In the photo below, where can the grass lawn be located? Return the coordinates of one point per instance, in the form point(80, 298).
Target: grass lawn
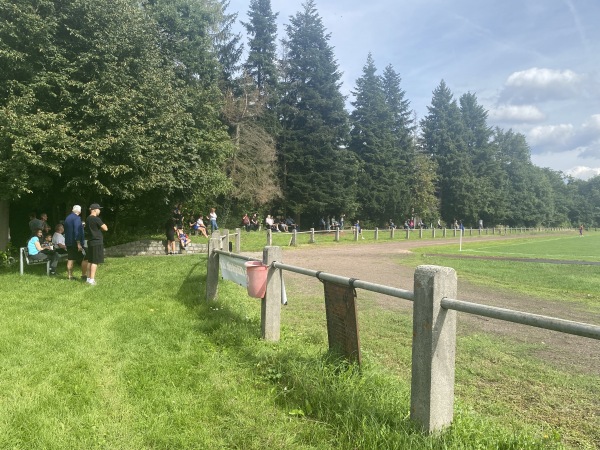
point(140, 361)
point(580, 283)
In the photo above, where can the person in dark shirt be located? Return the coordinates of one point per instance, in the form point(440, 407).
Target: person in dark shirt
point(94, 226)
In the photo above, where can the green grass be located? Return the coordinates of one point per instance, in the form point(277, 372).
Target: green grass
point(565, 282)
point(141, 361)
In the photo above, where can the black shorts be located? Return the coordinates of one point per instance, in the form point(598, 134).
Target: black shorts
point(95, 254)
point(74, 254)
point(171, 235)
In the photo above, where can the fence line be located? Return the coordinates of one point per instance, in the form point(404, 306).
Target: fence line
point(434, 324)
point(524, 318)
point(423, 233)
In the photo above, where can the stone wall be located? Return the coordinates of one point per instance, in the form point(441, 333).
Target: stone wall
point(148, 247)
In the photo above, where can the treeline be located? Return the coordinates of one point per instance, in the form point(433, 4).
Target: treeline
point(141, 105)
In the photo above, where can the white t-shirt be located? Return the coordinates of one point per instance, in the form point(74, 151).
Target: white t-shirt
point(58, 239)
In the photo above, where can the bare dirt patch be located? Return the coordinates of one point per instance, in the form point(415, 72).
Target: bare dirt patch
point(377, 263)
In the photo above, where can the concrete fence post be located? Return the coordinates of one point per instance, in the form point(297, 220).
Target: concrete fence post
point(270, 309)
point(294, 242)
point(392, 233)
point(337, 234)
point(356, 233)
point(238, 240)
point(212, 270)
point(312, 236)
point(269, 237)
point(444, 233)
point(408, 233)
point(225, 239)
point(376, 233)
point(433, 348)
point(454, 229)
point(433, 232)
point(420, 233)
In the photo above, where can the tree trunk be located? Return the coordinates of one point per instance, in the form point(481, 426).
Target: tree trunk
point(4, 230)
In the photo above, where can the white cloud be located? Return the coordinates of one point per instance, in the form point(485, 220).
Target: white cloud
point(566, 137)
point(516, 113)
point(537, 85)
point(583, 172)
point(551, 136)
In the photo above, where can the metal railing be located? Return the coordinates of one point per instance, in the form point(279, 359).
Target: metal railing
point(434, 324)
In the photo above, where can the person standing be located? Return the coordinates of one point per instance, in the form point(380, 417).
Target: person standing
point(74, 240)
point(170, 229)
point(94, 226)
point(581, 230)
point(213, 220)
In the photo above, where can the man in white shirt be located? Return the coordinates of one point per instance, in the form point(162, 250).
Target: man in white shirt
point(58, 239)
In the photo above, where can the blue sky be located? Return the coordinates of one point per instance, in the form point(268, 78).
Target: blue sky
point(533, 64)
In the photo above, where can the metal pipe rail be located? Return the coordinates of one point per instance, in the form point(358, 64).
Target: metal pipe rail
point(235, 255)
point(534, 320)
point(353, 282)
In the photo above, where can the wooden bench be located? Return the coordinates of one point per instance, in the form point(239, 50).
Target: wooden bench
point(24, 259)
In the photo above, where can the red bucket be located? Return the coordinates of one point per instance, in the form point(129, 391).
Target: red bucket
point(256, 278)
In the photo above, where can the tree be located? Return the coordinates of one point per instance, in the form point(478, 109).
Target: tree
point(443, 138)
point(317, 171)
point(108, 105)
point(262, 56)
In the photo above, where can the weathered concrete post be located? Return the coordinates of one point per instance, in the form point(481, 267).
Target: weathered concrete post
point(270, 309)
point(356, 233)
point(408, 233)
point(225, 239)
point(294, 242)
point(444, 232)
point(376, 233)
point(212, 271)
point(238, 240)
point(392, 233)
point(420, 233)
point(269, 237)
point(433, 232)
point(312, 236)
point(433, 348)
point(337, 234)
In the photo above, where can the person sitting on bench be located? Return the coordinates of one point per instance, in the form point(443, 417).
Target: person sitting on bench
point(38, 253)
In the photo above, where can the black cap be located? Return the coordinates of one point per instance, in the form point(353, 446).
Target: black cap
point(95, 206)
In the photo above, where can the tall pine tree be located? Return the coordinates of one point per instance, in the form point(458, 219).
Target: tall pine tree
point(317, 171)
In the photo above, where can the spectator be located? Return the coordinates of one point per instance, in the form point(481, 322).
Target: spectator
point(35, 223)
point(75, 242)
point(37, 252)
point(58, 239)
point(170, 232)
point(342, 217)
point(581, 230)
point(254, 222)
point(213, 220)
point(178, 216)
point(95, 254)
point(290, 223)
point(45, 227)
point(392, 225)
point(358, 229)
point(246, 222)
point(184, 239)
point(201, 226)
point(269, 222)
point(323, 224)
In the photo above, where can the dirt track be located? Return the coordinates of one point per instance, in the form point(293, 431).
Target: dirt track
point(378, 263)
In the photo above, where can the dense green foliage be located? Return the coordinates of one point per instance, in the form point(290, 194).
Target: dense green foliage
point(143, 105)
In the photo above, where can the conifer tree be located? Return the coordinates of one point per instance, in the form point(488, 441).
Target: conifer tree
point(318, 173)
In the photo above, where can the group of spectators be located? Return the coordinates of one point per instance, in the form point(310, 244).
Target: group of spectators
point(174, 228)
point(280, 224)
point(70, 237)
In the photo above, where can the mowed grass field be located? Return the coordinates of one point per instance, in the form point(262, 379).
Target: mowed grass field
point(141, 361)
point(500, 266)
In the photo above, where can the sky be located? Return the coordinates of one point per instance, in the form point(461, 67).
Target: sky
point(534, 65)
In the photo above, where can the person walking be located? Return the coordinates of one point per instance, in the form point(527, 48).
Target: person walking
point(75, 242)
point(94, 226)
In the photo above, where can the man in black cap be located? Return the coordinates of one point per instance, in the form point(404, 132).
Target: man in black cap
point(95, 243)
